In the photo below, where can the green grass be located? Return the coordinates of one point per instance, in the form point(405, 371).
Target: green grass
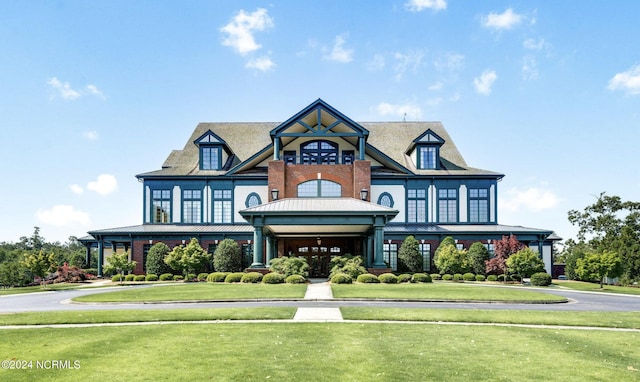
point(441, 291)
point(629, 320)
point(199, 292)
point(146, 315)
point(323, 352)
point(593, 287)
point(49, 288)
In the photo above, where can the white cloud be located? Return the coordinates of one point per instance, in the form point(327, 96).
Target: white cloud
point(406, 111)
point(484, 83)
point(411, 60)
point(419, 5)
point(532, 44)
point(376, 64)
point(62, 215)
point(104, 185)
point(628, 81)
point(239, 32)
point(64, 89)
point(263, 63)
point(506, 20)
point(531, 199)
point(529, 68)
point(76, 189)
point(449, 61)
point(90, 135)
point(339, 53)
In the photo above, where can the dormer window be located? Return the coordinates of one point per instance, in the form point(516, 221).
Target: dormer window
point(428, 151)
point(211, 147)
point(427, 157)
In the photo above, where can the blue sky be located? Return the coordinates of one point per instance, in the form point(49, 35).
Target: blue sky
point(94, 92)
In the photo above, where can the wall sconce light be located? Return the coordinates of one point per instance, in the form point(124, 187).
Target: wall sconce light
point(183, 241)
point(456, 240)
point(216, 241)
point(422, 241)
point(389, 241)
point(489, 241)
point(150, 241)
point(319, 241)
point(274, 194)
point(364, 194)
point(249, 241)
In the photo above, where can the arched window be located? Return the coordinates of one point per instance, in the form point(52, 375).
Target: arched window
point(385, 200)
point(319, 152)
point(252, 200)
point(319, 189)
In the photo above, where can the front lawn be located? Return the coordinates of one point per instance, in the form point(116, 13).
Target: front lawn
point(199, 292)
point(594, 287)
point(320, 352)
point(442, 291)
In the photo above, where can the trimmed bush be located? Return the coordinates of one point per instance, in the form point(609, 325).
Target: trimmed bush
point(273, 278)
point(388, 278)
point(368, 278)
point(140, 278)
point(404, 278)
point(492, 278)
point(227, 257)
point(479, 277)
point(191, 277)
point(447, 277)
point(341, 278)
point(251, 278)
point(178, 277)
point(217, 277)
point(155, 259)
point(117, 278)
point(541, 279)
point(151, 277)
point(166, 277)
point(469, 276)
point(457, 277)
point(421, 278)
point(501, 278)
point(234, 277)
point(436, 276)
point(130, 277)
point(203, 276)
point(351, 265)
point(295, 279)
point(289, 266)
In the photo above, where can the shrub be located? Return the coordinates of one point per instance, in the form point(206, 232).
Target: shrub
point(166, 277)
point(130, 277)
point(140, 278)
point(234, 277)
point(436, 276)
point(421, 278)
point(117, 278)
point(501, 278)
point(404, 278)
point(447, 277)
point(341, 278)
point(91, 271)
point(541, 279)
point(178, 277)
point(457, 277)
point(217, 277)
point(388, 278)
point(492, 278)
point(295, 279)
point(468, 276)
point(251, 278)
point(409, 256)
point(227, 257)
point(273, 278)
point(151, 277)
point(479, 277)
point(203, 276)
point(367, 278)
point(351, 265)
point(288, 266)
point(155, 259)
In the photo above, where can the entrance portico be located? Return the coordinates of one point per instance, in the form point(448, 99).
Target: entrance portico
point(318, 228)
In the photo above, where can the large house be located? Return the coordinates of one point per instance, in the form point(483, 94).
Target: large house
point(318, 185)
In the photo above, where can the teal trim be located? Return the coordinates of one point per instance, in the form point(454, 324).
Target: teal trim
point(252, 195)
point(386, 195)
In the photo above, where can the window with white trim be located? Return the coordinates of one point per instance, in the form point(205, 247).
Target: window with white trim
point(161, 206)
point(319, 189)
point(448, 205)
point(192, 206)
point(222, 206)
point(416, 205)
point(478, 205)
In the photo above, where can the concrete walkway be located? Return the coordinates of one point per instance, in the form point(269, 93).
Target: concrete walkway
point(318, 290)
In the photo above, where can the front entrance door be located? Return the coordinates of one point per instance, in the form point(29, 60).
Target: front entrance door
point(319, 252)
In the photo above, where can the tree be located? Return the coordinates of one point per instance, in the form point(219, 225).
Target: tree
point(409, 255)
point(571, 253)
point(598, 265)
point(614, 225)
point(445, 242)
point(119, 263)
point(33, 243)
point(13, 273)
point(504, 248)
point(155, 259)
point(189, 259)
point(451, 260)
point(227, 257)
point(478, 257)
point(525, 262)
point(40, 264)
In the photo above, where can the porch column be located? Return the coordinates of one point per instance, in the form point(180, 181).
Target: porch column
point(257, 248)
point(378, 258)
point(100, 256)
point(88, 255)
point(270, 243)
